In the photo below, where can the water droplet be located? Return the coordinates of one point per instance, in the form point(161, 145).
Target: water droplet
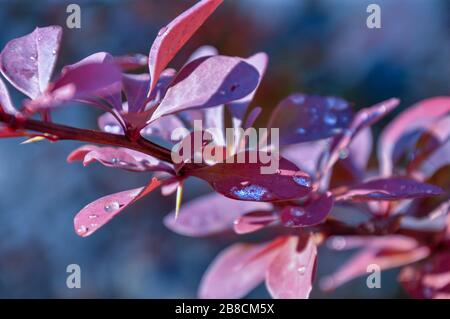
point(115, 161)
point(111, 207)
point(343, 154)
point(338, 243)
point(301, 130)
point(162, 31)
point(298, 99)
point(303, 181)
point(82, 229)
point(301, 270)
point(222, 92)
point(297, 212)
point(93, 225)
point(113, 129)
point(54, 52)
point(330, 119)
point(93, 216)
point(251, 192)
point(245, 183)
point(336, 104)
point(32, 58)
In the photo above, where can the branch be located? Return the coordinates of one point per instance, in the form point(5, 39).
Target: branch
point(62, 132)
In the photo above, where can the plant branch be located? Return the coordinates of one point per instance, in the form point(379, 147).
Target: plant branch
point(62, 132)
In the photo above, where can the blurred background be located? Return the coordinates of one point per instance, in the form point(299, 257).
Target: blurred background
point(315, 46)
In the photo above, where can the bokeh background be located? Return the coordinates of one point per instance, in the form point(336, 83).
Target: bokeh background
point(315, 46)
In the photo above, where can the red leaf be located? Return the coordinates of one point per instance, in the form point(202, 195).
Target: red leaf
point(101, 211)
point(312, 213)
point(244, 181)
point(292, 271)
point(172, 37)
point(393, 188)
point(27, 62)
point(238, 269)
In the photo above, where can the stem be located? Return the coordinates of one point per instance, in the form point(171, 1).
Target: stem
point(62, 132)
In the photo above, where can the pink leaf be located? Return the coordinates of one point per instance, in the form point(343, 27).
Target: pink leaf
point(393, 188)
point(303, 118)
point(27, 62)
point(118, 158)
point(292, 271)
point(208, 215)
point(238, 269)
point(131, 62)
point(206, 82)
point(6, 104)
point(172, 37)
point(239, 107)
point(390, 252)
point(253, 221)
point(101, 211)
point(305, 155)
point(416, 118)
point(243, 180)
point(312, 213)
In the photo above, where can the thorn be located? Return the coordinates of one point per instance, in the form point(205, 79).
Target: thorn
point(178, 201)
point(33, 140)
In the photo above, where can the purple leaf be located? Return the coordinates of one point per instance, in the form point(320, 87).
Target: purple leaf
point(385, 189)
point(101, 211)
point(303, 118)
point(206, 82)
point(135, 87)
point(27, 62)
point(118, 158)
point(292, 271)
point(253, 221)
point(208, 215)
point(5, 100)
point(238, 269)
point(416, 118)
point(172, 37)
point(430, 279)
point(239, 107)
point(363, 119)
point(312, 213)
point(242, 179)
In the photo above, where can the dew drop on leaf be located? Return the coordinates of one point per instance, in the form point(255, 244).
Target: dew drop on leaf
point(111, 207)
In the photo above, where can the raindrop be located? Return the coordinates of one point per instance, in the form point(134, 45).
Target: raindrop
point(301, 130)
point(301, 270)
point(330, 119)
point(297, 212)
point(251, 192)
point(93, 225)
point(115, 160)
point(93, 216)
point(54, 52)
point(32, 58)
point(82, 229)
point(303, 181)
point(162, 31)
point(338, 243)
point(111, 207)
point(343, 154)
